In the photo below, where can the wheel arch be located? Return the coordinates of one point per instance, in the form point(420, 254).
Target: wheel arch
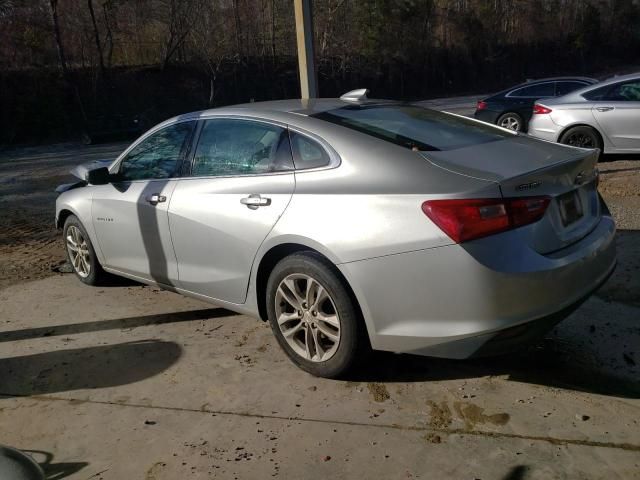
point(63, 215)
point(566, 128)
point(276, 253)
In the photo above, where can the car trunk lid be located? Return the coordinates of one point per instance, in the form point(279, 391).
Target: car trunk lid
point(525, 167)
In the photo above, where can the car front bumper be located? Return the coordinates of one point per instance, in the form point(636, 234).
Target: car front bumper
point(459, 301)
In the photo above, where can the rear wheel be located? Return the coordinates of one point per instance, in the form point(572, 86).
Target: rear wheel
point(81, 254)
point(511, 121)
point(313, 316)
point(583, 137)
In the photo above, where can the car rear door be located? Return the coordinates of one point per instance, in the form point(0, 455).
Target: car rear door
point(130, 214)
point(618, 115)
point(241, 180)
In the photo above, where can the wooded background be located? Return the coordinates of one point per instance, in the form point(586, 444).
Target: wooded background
point(69, 67)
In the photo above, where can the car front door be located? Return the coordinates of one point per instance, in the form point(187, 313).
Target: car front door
point(240, 183)
point(130, 214)
point(618, 114)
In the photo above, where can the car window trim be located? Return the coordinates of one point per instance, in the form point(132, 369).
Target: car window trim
point(184, 151)
point(509, 94)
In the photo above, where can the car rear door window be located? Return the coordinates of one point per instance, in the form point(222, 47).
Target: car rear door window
point(624, 92)
point(535, 91)
point(562, 88)
point(628, 91)
point(308, 153)
point(158, 155)
point(229, 147)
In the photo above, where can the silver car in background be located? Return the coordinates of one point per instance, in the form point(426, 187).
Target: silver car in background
point(605, 116)
point(350, 224)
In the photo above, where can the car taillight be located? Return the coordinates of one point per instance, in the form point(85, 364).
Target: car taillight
point(465, 220)
point(481, 105)
point(541, 109)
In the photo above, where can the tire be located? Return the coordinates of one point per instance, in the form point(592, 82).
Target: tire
point(324, 357)
point(511, 121)
point(87, 268)
point(582, 136)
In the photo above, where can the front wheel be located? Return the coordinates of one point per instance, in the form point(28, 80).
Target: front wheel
point(314, 317)
point(80, 253)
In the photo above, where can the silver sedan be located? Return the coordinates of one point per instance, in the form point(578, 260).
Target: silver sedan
point(350, 224)
point(605, 116)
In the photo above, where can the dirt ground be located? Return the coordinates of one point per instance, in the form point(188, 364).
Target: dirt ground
point(132, 382)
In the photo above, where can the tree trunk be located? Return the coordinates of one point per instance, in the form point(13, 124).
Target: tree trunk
point(96, 35)
point(66, 72)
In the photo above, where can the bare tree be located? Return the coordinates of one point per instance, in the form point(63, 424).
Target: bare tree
point(96, 35)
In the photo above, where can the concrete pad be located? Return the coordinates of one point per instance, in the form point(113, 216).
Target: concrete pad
point(84, 368)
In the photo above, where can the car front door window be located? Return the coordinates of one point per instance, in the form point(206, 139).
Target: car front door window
point(158, 156)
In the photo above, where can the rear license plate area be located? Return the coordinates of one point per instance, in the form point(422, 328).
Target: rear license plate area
point(570, 208)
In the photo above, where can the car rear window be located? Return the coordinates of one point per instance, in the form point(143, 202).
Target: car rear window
point(413, 127)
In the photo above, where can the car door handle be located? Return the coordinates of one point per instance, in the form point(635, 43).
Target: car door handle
point(254, 201)
point(156, 198)
point(604, 109)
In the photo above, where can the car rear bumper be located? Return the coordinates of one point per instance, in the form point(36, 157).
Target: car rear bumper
point(460, 301)
point(542, 126)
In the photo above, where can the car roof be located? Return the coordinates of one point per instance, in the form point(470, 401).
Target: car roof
point(538, 81)
point(302, 106)
point(619, 78)
point(576, 96)
point(295, 112)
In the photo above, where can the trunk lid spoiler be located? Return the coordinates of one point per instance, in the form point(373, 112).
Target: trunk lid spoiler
point(524, 167)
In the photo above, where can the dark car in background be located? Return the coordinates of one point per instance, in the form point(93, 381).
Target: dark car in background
point(512, 108)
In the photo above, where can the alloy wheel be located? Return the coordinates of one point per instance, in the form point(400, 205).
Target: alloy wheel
point(510, 123)
point(581, 140)
point(307, 317)
point(78, 251)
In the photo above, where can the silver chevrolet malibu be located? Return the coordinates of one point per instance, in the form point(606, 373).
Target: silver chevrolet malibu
point(350, 224)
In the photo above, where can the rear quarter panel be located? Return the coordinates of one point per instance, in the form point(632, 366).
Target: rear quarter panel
point(370, 205)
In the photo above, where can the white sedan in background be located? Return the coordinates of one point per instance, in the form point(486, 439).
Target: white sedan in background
point(605, 115)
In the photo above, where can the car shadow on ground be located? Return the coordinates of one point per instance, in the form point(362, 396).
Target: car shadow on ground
point(86, 368)
point(595, 352)
point(612, 157)
point(55, 470)
point(545, 364)
point(115, 324)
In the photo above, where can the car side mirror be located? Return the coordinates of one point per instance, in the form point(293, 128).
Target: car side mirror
point(99, 176)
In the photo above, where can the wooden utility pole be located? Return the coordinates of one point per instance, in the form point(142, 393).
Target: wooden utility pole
point(306, 56)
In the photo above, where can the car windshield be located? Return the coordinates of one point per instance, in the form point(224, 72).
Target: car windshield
point(414, 127)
